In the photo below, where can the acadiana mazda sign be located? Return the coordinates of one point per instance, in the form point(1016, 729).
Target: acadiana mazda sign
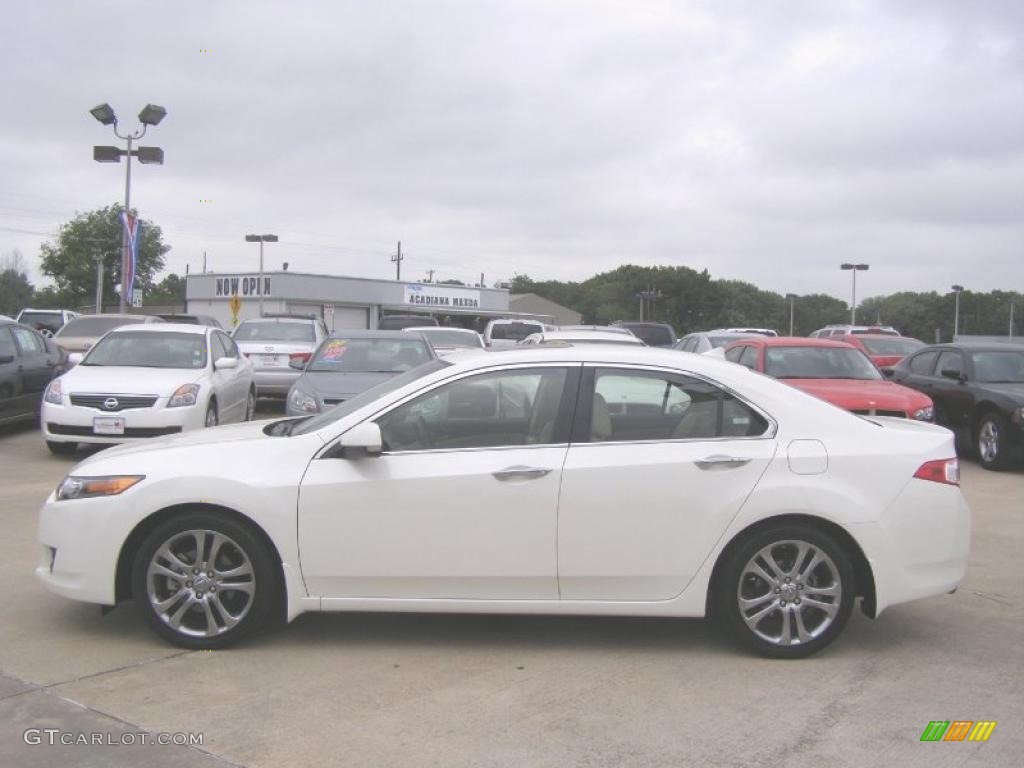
point(442, 296)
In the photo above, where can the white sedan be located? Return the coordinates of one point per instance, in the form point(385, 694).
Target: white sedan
point(141, 381)
point(572, 480)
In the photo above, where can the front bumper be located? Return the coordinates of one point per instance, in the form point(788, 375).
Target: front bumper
point(68, 423)
point(80, 542)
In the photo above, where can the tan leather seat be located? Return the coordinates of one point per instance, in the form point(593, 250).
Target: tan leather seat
point(600, 420)
point(699, 421)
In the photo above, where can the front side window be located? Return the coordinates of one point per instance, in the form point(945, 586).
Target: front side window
point(952, 362)
point(733, 355)
point(142, 349)
point(508, 408)
point(637, 405)
point(999, 367)
point(924, 363)
point(749, 357)
point(220, 346)
point(28, 341)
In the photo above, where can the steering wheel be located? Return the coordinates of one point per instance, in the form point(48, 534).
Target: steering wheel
point(44, 331)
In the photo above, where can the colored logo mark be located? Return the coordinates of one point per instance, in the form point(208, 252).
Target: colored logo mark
point(958, 730)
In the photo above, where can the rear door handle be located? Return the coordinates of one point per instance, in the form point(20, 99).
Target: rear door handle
point(721, 462)
point(520, 473)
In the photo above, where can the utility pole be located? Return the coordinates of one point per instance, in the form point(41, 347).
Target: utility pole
point(481, 279)
point(430, 275)
point(397, 258)
point(204, 262)
point(99, 282)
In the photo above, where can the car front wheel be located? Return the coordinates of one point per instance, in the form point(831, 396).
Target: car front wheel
point(990, 440)
point(787, 591)
point(203, 581)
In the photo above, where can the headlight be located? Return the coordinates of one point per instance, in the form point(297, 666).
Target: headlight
point(53, 392)
point(85, 487)
point(300, 401)
point(186, 394)
point(925, 414)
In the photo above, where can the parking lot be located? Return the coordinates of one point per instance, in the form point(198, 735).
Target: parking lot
point(409, 690)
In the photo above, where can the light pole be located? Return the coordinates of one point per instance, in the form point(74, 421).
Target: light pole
point(792, 299)
point(855, 268)
point(261, 239)
point(957, 290)
point(151, 114)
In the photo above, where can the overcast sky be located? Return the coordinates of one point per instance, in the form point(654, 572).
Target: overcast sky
point(764, 141)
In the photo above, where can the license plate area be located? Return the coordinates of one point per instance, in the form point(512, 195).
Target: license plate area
point(108, 425)
point(272, 361)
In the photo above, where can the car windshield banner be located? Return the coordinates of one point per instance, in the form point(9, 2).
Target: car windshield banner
point(132, 228)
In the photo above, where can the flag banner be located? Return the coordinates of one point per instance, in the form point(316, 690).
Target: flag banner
point(132, 228)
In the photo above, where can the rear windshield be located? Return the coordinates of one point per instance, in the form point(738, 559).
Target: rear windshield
point(95, 326)
point(897, 345)
point(445, 338)
point(514, 331)
point(269, 330)
point(47, 318)
point(398, 322)
point(652, 335)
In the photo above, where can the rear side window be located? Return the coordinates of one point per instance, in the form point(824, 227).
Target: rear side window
point(924, 363)
point(641, 406)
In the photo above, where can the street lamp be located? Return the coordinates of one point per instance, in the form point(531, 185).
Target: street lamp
point(151, 114)
point(957, 290)
point(792, 299)
point(261, 239)
point(855, 268)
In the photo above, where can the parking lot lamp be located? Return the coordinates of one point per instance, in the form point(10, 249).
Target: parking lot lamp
point(855, 268)
point(151, 114)
point(957, 290)
point(792, 299)
point(261, 239)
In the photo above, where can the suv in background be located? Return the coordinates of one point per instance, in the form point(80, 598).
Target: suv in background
point(651, 334)
point(504, 332)
point(843, 330)
point(79, 334)
point(191, 320)
point(279, 347)
point(46, 321)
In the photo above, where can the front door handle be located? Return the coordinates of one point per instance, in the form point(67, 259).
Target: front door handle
point(520, 473)
point(721, 462)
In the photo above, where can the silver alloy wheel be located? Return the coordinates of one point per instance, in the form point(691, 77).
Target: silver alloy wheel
point(789, 592)
point(211, 415)
point(988, 441)
point(200, 583)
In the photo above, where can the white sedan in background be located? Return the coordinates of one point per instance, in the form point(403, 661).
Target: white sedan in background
point(572, 480)
point(141, 381)
point(562, 337)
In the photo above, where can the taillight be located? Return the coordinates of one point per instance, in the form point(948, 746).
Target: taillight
point(303, 356)
point(940, 471)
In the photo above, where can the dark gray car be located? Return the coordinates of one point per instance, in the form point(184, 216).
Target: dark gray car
point(348, 362)
point(28, 362)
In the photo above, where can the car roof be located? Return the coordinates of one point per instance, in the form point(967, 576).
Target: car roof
point(357, 333)
point(164, 328)
point(280, 319)
point(584, 334)
point(438, 328)
point(796, 341)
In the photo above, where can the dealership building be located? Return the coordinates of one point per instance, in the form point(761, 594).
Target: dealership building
point(342, 302)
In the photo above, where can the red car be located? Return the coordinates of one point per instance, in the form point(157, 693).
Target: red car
point(833, 371)
point(884, 351)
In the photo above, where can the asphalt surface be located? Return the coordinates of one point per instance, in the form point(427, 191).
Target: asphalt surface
point(411, 690)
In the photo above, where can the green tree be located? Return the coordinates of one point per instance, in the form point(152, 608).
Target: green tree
point(16, 291)
point(170, 290)
point(71, 261)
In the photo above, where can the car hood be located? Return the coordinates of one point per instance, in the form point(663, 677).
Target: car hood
point(120, 380)
point(863, 395)
point(337, 384)
point(230, 433)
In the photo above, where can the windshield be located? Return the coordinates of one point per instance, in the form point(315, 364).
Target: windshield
point(717, 342)
point(149, 349)
point(95, 326)
point(895, 346)
point(818, 363)
point(442, 337)
point(369, 355)
point(999, 367)
point(367, 396)
point(268, 330)
point(653, 335)
point(48, 318)
point(514, 331)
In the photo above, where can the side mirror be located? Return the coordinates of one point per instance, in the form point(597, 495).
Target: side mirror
point(887, 372)
point(363, 438)
point(6, 359)
point(225, 362)
point(953, 373)
point(75, 358)
point(297, 363)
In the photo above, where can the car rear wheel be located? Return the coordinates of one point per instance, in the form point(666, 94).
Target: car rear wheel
point(250, 405)
point(787, 591)
point(203, 581)
point(61, 449)
point(990, 441)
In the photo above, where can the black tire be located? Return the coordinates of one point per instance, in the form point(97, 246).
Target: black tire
point(250, 405)
point(211, 414)
point(990, 441)
point(791, 593)
point(61, 449)
point(235, 613)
